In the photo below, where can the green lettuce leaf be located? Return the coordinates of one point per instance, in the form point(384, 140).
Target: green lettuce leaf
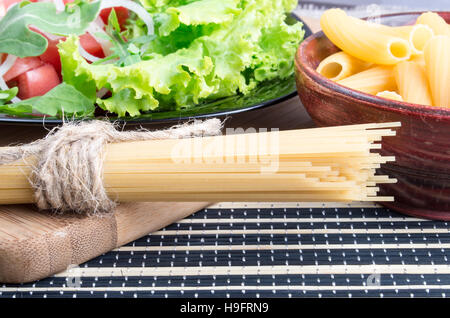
point(71, 59)
point(63, 100)
point(197, 13)
point(172, 75)
point(246, 42)
point(161, 5)
point(124, 101)
point(8, 94)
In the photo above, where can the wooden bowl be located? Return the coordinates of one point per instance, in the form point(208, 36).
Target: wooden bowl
point(422, 144)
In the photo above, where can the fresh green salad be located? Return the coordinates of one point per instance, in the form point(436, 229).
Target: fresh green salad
point(82, 58)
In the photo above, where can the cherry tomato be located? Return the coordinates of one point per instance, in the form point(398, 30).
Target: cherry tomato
point(38, 81)
point(22, 65)
point(51, 55)
point(91, 46)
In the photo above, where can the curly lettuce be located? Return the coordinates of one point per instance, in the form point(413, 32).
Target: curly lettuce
point(204, 49)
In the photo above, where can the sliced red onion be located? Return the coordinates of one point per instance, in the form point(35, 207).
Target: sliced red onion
point(89, 57)
point(7, 64)
point(4, 68)
point(97, 27)
point(5, 87)
point(132, 6)
point(59, 4)
point(94, 27)
point(50, 36)
point(99, 22)
point(15, 99)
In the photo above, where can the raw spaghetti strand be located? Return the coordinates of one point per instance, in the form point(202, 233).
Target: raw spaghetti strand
point(319, 164)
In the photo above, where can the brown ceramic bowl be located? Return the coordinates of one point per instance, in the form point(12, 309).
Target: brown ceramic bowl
point(422, 144)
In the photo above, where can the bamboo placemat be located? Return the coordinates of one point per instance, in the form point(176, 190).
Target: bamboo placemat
point(269, 250)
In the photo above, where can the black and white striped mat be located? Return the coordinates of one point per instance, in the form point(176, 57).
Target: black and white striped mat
point(269, 250)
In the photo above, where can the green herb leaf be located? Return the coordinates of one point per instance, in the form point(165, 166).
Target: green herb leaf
point(113, 22)
point(125, 52)
point(7, 95)
point(17, 39)
point(121, 48)
point(64, 99)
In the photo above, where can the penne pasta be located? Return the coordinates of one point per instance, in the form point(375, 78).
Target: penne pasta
point(341, 65)
point(437, 62)
point(416, 72)
point(435, 22)
point(364, 40)
point(390, 95)
point(372, 80)
point(417, 35)
point(412, 83)
point(419, 59)
point(402, 31)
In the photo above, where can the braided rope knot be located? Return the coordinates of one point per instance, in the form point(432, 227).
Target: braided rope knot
point(68, 171)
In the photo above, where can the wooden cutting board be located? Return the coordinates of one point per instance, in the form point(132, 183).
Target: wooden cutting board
point(35, 244)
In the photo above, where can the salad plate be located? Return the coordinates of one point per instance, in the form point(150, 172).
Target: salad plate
point(266, 93)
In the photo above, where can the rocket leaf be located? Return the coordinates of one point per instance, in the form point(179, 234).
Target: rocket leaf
point(63, 99)
point(16, 38)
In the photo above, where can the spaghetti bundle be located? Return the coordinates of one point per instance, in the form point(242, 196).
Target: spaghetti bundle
point(318, 164)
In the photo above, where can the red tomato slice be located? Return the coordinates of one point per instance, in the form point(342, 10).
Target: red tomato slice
point(121, 12)
point(37, 82)
point(91, 46)
point(51, 55)
point(22, 65)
